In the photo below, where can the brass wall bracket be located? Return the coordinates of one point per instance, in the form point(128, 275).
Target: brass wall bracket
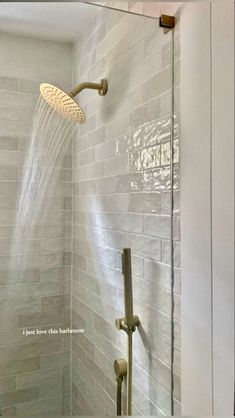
point(120, 324)
point(167, 22)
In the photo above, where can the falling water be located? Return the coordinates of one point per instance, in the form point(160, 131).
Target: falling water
point(50, 136)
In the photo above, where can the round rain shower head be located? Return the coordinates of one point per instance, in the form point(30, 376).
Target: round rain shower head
point(62, 103)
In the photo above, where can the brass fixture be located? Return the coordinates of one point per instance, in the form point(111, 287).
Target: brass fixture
point(121, 324)
point(102, 88)
point(63, 102)
point(120, 368)
point(167, 22)
point(127, 324)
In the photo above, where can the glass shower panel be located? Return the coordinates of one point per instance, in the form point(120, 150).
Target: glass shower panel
point(123, 197)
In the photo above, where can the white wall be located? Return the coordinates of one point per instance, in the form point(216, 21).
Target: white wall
point(207, 196)
point(223, 203)
point(195, 204)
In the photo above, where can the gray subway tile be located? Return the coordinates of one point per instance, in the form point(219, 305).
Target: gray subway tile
point(19, 366)
point(145, 202)
point(7, 384)
point(8, 83)
point(8, 143)
point(49, 406)
point(146, 247)
point(19, 396)
point(158, 226)
point(158, 84)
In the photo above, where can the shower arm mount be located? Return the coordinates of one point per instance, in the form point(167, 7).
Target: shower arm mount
point(102, 88)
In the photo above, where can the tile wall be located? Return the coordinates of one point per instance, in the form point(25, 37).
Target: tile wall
point(34, 371)
point(121, 198)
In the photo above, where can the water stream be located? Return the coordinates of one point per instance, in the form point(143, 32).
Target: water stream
point(49, 140)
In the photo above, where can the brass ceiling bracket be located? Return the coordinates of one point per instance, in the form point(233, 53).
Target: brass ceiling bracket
point(167, 22)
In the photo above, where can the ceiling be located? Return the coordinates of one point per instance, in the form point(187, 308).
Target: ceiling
point(61, 21)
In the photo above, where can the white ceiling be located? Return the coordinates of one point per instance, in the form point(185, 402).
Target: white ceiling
point(62, 21)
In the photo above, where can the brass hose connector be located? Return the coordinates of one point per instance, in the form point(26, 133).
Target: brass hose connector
point(120, 368)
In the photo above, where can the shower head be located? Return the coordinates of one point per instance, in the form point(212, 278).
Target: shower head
point(63, 102)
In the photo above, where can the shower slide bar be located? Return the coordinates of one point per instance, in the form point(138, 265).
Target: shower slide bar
point(123, 368)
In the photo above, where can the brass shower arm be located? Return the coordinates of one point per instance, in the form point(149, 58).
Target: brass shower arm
point(102, 88)
point(83, 86)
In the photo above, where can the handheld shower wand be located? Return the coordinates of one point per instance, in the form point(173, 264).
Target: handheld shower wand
point(128, 298)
